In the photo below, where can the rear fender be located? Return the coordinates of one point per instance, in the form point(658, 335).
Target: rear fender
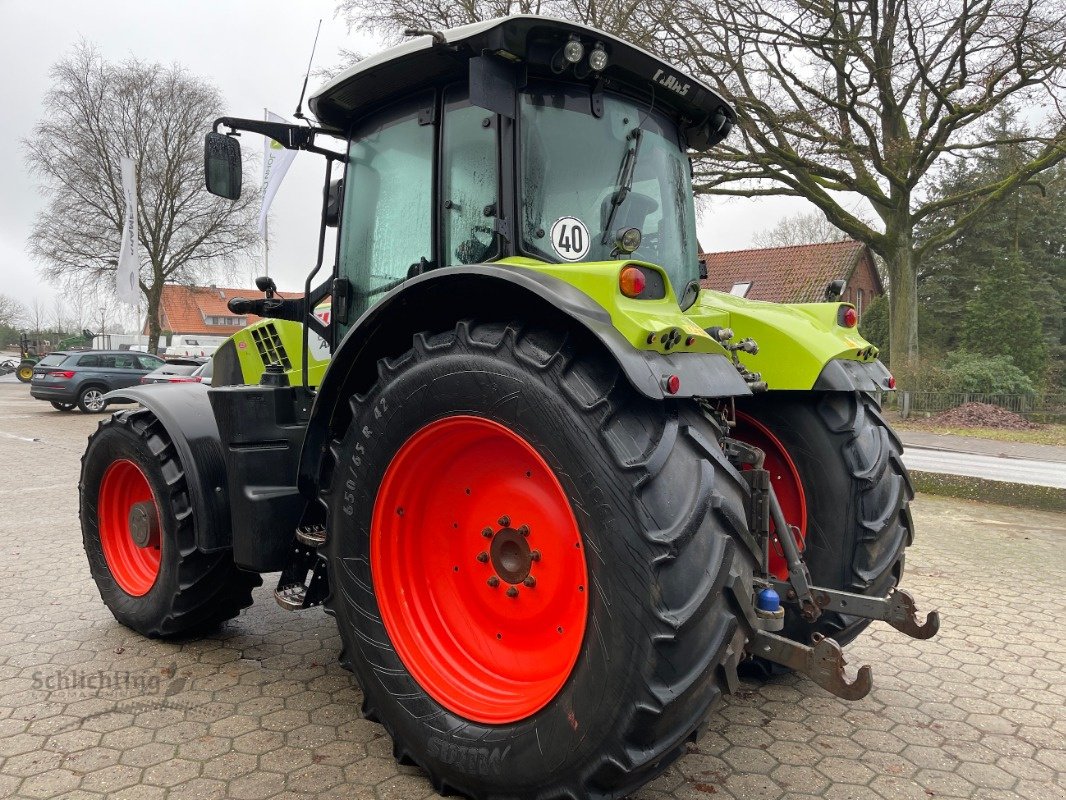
point(801, 345)
point(185, 413)
point(436, 300)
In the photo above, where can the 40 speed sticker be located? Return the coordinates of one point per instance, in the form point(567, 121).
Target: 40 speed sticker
point(570, 238)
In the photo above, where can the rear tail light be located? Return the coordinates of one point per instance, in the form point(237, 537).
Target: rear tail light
point(185, 379)
point(642, 283)
point(847, 317)
point(631, 282)
point(66, 374)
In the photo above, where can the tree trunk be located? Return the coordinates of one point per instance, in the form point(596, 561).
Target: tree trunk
point(155, 294)
point(902, 266)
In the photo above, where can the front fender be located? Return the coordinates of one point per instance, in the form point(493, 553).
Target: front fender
point(438, 299)
point(184, 411)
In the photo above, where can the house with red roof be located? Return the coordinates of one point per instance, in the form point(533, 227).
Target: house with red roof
point(202, 311)
point(796, 274)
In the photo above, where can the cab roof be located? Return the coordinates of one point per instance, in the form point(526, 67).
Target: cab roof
point(530, 41)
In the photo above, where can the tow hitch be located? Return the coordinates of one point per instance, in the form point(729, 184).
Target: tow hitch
point(823, 660)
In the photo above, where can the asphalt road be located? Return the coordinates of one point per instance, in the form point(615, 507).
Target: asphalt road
point(996, 468)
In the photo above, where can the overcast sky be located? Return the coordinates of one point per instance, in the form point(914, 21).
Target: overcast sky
point(256, 53)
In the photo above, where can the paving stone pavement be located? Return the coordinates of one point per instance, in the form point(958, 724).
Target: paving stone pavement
point(261, 708)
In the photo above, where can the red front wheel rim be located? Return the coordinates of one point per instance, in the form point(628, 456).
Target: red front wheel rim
point(786, 481)
point(125, 506)
point(479, 569)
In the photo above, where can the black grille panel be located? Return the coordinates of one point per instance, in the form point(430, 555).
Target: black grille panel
point(269, 345)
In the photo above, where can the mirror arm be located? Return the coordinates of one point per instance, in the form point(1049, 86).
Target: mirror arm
point(291, 137)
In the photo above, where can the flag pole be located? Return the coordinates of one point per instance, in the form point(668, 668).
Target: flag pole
point(266, 222)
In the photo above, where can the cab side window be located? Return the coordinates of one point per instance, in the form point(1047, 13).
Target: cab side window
point(468, 181)
point(388, 200)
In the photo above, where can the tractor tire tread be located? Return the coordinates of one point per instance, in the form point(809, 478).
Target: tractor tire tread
point(695, 641)
point(210, 588)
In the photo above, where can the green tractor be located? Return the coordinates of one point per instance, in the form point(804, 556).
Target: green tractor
point(31, 351)
point(555, 494)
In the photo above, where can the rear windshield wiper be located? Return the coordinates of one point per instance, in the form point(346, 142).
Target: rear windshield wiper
point(626, 171)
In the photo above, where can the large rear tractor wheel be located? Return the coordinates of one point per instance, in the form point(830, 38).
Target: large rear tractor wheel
point(25, 371)
point(529, 565)
point(837, 469)
point(137, 528)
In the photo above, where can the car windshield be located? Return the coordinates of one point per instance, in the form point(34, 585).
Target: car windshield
point(53, 360)
point(572, 164)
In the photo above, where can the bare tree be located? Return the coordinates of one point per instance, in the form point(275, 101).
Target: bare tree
point(867, 101)
point(37, 317)
point(12, 312)
point(59, 319)
point(847, 103)
point(639, 21)
point(97, 111)
point(799, 229)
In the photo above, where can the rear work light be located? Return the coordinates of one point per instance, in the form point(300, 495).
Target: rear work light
point(847, 317)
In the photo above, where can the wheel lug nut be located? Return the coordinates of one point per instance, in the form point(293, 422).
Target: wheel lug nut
point(482, 556)
point(505, 521)
point(530, 581)
point(524, 530)
point(512, 592)
point(535, 555)
point(487, 533)
point(494, 581)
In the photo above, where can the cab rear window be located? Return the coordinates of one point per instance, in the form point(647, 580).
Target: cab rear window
point(53, 360)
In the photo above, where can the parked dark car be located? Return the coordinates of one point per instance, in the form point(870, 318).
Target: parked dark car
point(176, 370)
point(69, 379)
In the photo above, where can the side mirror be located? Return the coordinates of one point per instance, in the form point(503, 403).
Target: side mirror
point(222, 165)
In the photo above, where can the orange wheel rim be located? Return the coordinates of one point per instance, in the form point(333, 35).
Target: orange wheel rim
point(128, 517)
point(479, 569)
point(785, 479)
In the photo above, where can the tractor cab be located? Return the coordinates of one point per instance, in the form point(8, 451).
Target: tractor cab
point(524, 139)
point(518, 138)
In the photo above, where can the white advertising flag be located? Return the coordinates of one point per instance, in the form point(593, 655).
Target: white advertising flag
point(276, 161)
point(127, 275)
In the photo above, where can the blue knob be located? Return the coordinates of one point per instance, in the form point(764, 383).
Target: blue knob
point(768, 600)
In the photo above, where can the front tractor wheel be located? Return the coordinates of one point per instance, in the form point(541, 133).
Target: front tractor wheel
point(837, 469)
point(25, 371)
point(529, 565)
point(138, 533)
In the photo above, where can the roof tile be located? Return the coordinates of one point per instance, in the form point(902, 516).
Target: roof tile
point(795, 274)
point(185, 309)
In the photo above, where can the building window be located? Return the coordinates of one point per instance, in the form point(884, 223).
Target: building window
point(741, 289)
point(858, 302)
point(232, 322)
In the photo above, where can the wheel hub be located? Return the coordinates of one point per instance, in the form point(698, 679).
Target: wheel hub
point(511, 555)
point(144, 524)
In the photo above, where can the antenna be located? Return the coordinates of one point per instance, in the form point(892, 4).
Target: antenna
point(299, 106)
